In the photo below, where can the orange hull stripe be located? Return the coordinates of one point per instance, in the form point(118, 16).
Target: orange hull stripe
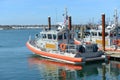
point(53, 55)
point(77, 42)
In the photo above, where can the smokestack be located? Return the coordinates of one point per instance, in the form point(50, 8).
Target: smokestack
point(49, 23)
point(103, 31)
point(69, 23)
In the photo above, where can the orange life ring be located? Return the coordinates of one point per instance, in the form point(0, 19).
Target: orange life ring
point(63, 46)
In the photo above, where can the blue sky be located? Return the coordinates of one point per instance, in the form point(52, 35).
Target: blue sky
point(37, 11)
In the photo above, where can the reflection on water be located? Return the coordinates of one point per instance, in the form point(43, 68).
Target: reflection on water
point(113, 70)
point(50, 70)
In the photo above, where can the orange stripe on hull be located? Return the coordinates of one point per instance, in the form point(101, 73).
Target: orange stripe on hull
point(77, 42)
point(58, 56)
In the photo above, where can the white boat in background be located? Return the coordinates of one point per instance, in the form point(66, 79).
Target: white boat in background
point(112, 36)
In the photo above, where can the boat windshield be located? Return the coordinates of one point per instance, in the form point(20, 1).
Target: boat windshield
point(95, 33)
point(48, 36)
point(60, 37)
point(100, 33)
point(87, 33)
point(54, 36)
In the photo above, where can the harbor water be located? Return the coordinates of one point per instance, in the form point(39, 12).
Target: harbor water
point(18, 63)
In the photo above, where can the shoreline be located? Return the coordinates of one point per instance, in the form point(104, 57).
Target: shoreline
point(75, 26)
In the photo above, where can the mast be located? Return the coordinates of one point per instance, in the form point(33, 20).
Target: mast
point(65, 17)
point(116, 18)
point(116, 24)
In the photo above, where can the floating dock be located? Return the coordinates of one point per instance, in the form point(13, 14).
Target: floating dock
point(113, 55)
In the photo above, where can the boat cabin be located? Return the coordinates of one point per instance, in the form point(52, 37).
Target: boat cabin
point(95, 36)
point(52, 39)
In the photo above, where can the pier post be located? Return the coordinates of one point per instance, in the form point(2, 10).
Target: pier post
point(49, 23)
point(69, 23)
point(103, 71)
point(103, 31)
point(69, 29)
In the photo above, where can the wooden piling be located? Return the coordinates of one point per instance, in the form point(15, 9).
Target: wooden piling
point(69, 23)
point(103, 31)
point(103, 71)
point(49, 23)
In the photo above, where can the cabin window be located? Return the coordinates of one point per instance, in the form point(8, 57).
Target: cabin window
point(106, 34)
point(54, 36)
point(100, 34)
point(65, 36)
point(44, 35)
point(59, 37)
point(37, 36)
point(49, 36)
point(87, 33)
point(94, 33)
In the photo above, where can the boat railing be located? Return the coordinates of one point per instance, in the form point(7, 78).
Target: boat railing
point(33, 42)
point(71, 48)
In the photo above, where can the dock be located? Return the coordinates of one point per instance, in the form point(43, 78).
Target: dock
point(113, 55)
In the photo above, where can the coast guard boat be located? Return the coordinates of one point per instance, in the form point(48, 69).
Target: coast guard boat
point(59, 45)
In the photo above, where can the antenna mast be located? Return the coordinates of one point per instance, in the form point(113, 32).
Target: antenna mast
point(66, 17)
point(116, 18)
